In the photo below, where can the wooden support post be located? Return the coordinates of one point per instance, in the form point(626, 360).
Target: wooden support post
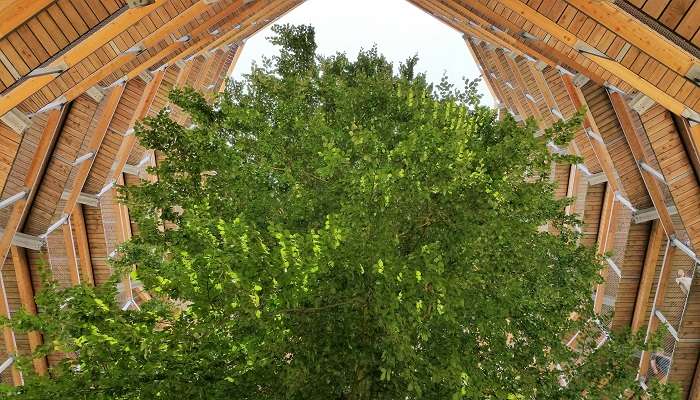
point(26, 296)
point(81, 240)
point(606, 238)
point(656, 239)
point(8, 334)
point(72, 261)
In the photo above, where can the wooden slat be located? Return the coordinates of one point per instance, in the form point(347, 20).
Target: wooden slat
point(14, 13)
point(632, 78)
point(14, 96)
point(110, 105)
point(141, 111)
point(33, 178)
point(238, 51)
point(632, 135)
point(638, 34)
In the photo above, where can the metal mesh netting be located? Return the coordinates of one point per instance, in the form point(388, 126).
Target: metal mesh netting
point(58, 257)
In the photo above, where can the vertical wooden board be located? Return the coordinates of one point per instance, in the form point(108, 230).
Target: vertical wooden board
point(631, 272)
point(690, 23)
point(591, 214)
point(98, 252)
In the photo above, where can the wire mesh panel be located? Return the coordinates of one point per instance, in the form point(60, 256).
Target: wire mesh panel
point(110, 221)
point(58, 258)
point(677, 288)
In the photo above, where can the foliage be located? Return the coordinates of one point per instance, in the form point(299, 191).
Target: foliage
point(332, 230)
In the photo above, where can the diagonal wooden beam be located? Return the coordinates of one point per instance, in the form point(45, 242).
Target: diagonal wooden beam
point(13, 96)
point(14, 13)
point(8, 334)
point(238, 51)
point(632, 134)
point(656, 240)
point(111, 101)
point(633, 79)
point(659, 298)
point(141, 110)
point(487, 78)
point(200, 45)
point(599, 149)
point(26, 296)
point(41, 157)
point(641, 36)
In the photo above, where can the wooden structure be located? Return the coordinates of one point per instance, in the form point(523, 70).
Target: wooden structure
point(75, 75)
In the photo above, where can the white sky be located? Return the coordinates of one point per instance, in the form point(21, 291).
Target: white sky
point(397, 27)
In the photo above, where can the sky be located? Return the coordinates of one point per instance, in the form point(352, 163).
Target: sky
point(397, 27)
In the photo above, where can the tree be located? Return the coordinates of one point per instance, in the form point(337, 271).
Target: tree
point(329, 229)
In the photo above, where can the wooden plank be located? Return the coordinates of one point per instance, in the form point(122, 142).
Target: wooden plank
point(32, 180)
point(81, 241)
point(599, 149)
point(141, 110)
point(238, 51)
point(606, 240)
point(656, 240)
point(632, 134)
point(14, 13)
point(150, 41)
point(13, 97)
point(633, 79)
point(110, 105)
point(72, 262)
point(26, 295)
point(638, 34)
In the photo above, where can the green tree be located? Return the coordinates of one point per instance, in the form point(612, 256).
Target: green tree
point(331, 229)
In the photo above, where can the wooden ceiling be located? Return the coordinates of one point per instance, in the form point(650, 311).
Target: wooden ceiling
point(75, 75)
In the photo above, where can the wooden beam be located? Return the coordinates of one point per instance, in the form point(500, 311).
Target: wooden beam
point(632, 134)
point(605, 241)
point(109, 106)
point(8, 333)
point(641, 36)
point(238, 51)
point(690, 134)
point(633, 79)
point(26, 296)
point(14, 13)
point(76, 53)
point(81, 241)
point(487, 78)
point(658, 301)
point(202, 44)
point(507, 36)
point(71, 259)
point(599, 149)
point(141, 110)
point(656, 240)
point(32, 180)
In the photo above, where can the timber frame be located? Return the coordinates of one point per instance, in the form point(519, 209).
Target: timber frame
point(76, 75)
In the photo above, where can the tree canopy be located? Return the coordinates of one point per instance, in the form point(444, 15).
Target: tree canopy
point(330, 228)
